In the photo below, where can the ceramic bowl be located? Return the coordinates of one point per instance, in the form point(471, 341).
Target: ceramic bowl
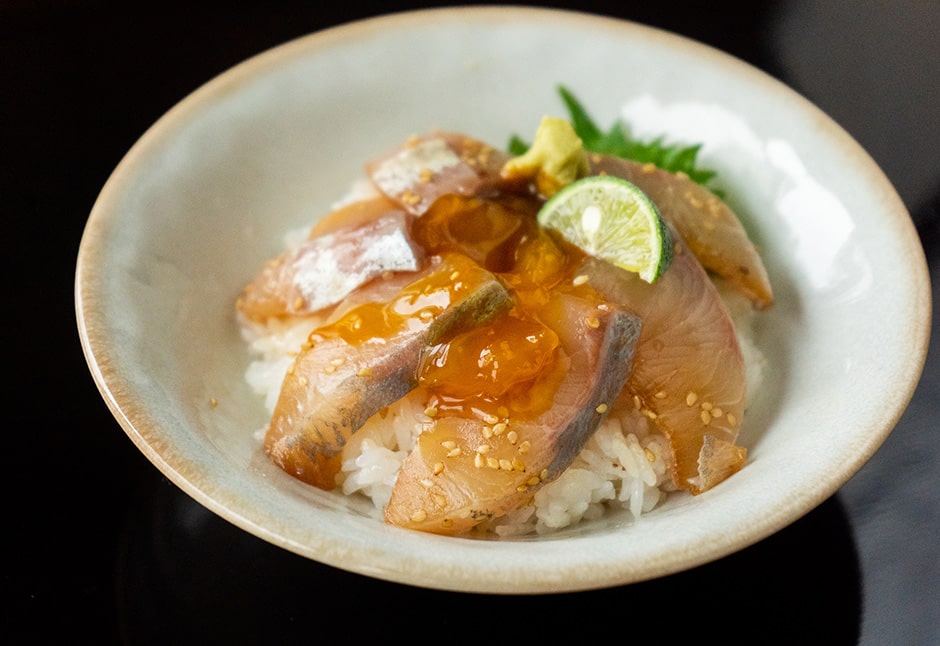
point(208, 192)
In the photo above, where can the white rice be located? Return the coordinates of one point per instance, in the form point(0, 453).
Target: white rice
point(623, 466)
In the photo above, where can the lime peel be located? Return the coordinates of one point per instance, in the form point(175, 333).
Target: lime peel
point(612, 219)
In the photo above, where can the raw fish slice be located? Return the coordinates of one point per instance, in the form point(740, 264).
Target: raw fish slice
point(368, 359)
point(465, 470)
point(325, 269)
point(688, 373)
point(438, 164)
point(356, 213)
point(710, 229)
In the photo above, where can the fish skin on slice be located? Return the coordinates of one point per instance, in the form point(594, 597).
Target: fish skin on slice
point(323, 270)
point(464, 470)
point(708, 226)
point(336, 383)
point(440, 163)
point(688, 373)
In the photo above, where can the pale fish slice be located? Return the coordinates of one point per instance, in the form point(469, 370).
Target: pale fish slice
point(708, 226)
point(367, 359)
point(464, 470)
point(437, 164)
point(689, 374)
point(325, 269)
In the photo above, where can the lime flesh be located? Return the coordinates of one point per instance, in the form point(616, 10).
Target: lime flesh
point(612, 219)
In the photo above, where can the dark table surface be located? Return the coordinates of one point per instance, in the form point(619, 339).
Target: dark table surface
point(101, 548)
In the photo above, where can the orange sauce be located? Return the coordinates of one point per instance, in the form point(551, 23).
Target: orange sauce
point(488, 361)
point(510, 367)
point(413, 308)
point(487, 230)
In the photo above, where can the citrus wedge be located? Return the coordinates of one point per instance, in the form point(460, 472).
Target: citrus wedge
point(611, 219)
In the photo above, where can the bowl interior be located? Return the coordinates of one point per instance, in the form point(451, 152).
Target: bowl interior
point(208, 193)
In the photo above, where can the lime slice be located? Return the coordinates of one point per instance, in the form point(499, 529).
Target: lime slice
point(611, 219)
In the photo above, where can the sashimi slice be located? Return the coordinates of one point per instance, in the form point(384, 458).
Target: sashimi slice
point(367, 359)
point(357, 212)
point(324, 269)
point(708, 226)
point(464, 469)
point(688, 373)
point(437, 164)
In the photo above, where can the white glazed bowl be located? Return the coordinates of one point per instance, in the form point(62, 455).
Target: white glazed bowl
point(208, 192)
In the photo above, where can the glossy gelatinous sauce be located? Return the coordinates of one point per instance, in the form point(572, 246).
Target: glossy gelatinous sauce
point(509, 366)
point(415, 306)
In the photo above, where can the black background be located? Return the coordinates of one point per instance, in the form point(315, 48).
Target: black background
point(99, 548)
